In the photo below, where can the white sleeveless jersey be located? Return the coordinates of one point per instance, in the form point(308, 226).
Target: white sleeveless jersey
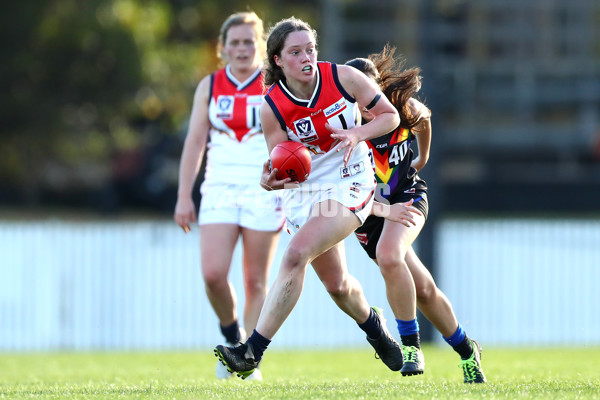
point(237, 148)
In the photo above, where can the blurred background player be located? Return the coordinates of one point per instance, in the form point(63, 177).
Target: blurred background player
point(389, 243)
point(226, 110)
point(315, 103)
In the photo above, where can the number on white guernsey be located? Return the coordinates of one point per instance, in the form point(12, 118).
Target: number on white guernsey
point(254, 120)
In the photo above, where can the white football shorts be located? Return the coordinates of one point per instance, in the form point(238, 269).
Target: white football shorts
point(248, 206)
point(355, 192)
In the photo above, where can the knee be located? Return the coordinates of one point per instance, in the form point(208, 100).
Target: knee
point(255, 286)
point(389, 261)
point(295, 257)
point(426, 292)
point(214, 279)
point(337, 288)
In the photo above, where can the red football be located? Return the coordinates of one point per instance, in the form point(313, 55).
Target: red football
point(292, 160)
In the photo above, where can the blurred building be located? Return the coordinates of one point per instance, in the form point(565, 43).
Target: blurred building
point(514, 87)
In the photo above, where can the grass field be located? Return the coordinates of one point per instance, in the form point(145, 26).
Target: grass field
point(512, 374)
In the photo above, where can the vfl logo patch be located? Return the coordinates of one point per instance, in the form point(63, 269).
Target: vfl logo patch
point(225, 107)
point(411, 190)
point(305, 130)
point(352, 169)
point(303, 126)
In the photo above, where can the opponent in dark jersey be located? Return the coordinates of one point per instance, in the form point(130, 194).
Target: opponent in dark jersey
point(389, 244)
point(397, 182)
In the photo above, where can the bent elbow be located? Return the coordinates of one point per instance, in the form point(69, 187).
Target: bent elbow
point(395, 121)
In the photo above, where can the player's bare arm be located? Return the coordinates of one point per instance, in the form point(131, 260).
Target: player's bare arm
point(273, 135)
point(422, 131)
point(367, 95)
point(191, 158)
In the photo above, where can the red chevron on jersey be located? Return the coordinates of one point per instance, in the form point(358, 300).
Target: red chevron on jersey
point(304, 120)
point(234, 107)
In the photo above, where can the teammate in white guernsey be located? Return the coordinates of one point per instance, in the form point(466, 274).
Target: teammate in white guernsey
point(235, 154)
point(303, 105)
point(226, 110)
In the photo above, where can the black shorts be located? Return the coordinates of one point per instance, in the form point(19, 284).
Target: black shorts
point(369, 233)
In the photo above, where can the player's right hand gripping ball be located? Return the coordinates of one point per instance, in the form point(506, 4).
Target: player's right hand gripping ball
point(292, 160)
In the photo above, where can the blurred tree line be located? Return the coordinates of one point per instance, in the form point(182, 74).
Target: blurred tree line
point(95, 95)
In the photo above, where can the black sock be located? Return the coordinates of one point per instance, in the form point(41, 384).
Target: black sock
point(372, 326)
point(231, 333)
point(259, 344)
point(464, 348)
point(411, 340)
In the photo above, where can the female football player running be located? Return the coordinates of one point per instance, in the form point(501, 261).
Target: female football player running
point(226, 111)
point(315, 103)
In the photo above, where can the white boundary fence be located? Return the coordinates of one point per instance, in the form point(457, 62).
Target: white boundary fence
point(524, 281)
point(137, 285)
